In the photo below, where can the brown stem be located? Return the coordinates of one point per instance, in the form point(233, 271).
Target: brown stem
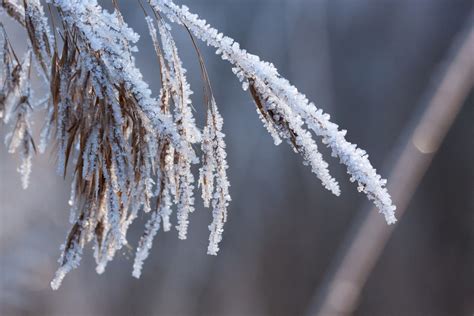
point(14, 11)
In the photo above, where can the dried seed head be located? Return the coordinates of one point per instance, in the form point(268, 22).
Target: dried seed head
point(127, 151)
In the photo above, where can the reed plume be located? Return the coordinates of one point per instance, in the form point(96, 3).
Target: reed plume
point(129, 152)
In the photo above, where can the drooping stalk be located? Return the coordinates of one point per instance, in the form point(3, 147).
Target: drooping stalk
point(127, 151)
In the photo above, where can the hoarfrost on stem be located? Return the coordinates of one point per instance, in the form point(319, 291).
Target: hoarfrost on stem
point(251, 68)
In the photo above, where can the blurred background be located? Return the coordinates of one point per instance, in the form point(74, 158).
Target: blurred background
point(370, 64)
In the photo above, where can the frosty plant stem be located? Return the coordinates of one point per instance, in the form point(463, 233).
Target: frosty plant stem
point(128, 151)
point(279, 96)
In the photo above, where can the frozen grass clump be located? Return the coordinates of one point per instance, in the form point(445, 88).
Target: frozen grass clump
point(129, 152)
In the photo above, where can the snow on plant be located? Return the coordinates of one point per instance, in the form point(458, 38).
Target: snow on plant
point(128, 151)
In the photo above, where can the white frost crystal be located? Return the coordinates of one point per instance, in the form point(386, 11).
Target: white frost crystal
point(213, 176)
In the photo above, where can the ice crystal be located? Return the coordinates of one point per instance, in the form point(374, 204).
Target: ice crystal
point(16, 108)
point(213, 176)
point(144, 246)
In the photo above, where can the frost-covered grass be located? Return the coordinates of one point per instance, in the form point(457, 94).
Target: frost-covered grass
point(127, 150)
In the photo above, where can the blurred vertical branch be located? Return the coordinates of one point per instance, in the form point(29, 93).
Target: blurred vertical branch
point(365, 241)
